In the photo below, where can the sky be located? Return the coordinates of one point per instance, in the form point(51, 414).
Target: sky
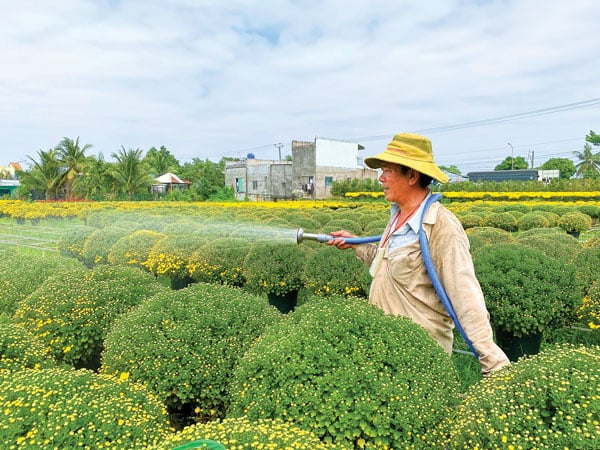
point(210, 78)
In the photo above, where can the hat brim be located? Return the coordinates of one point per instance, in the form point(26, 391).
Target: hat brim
point(427, 168)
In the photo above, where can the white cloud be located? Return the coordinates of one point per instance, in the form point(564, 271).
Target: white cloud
point(212, 79)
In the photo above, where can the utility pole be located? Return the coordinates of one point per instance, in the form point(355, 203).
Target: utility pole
point(279, 145)
point(512, 157)
point(530, 156)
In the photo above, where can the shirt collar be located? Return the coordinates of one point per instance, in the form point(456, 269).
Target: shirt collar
point(415, 221)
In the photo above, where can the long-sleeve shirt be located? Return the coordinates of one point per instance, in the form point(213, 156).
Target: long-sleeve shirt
point(401, 285)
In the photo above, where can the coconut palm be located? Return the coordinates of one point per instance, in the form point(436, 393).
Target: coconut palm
point(589, 162)
point(44, 174)
point(130, 171)
point(72, 158)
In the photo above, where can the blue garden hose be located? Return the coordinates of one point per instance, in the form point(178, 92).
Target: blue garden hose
point(435, 279)
point(429, 267)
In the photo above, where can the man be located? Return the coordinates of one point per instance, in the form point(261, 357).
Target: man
point(401, 285)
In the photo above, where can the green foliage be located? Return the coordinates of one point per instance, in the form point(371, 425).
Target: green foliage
point(19, 350)
point(589, 313)
point(575, 222)
point(134, 249)
point(329, 271)
point(549, 400)
point(525, 291)
point(98, 244)
point(21, 274)
point(565, 166)
point(591, 210)
point(532, 220)
point(344, 224)
point(183, 344)
point(242, 432)
point(349, 373)
point(60, 408)
point(274, 267)
point(587, 263)
point(72, 311)
point(71, 241)
point(510, 163)
point(220, 261)
point(339, 188)
point(481, 236)
point(562, 247)
point(471, 220)
point(503, 220)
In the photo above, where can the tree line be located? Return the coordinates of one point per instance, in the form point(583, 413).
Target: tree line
point(68, 172)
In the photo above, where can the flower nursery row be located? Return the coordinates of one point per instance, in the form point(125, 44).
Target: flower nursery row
point(336, 373)
point(503, 195)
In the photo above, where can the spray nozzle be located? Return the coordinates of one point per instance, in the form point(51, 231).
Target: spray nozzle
point(301, 236)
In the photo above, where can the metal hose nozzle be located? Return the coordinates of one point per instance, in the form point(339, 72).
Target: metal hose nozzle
point(301, 236)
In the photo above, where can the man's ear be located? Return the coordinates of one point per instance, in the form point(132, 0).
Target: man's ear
point(413, 177)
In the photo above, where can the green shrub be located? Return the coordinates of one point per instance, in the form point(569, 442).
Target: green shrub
point(525, 291)
point(98, 244)
point(375, 228)
point(60, 408)
point(591, 210)
point(244, 433)
point(587, 262)
point(220, 261)
point(173, 255)
point(274, 267)
point(575, 222)
point(532, 220)
point(515, 207)
point(133, 249)
point(549, 400)
point(71, 241)
point(540, 231)
point(503, 220)
point(72, 312)
point(183, 344)
point(19, 350)
point(563, 247)
point(329, 271)
point(343, 224)
point(481, 236)
point(552, 217)
point(589, 313)
point(21, 274)
point(348, 372)
point(471, 220)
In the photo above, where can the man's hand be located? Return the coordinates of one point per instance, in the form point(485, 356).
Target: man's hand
point(339, 241)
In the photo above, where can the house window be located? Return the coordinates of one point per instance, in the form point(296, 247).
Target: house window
point(254, 185)
point(328, 181)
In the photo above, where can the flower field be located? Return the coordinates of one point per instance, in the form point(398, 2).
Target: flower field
point(149, 325)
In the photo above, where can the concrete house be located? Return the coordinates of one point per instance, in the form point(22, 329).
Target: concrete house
point(310, 174)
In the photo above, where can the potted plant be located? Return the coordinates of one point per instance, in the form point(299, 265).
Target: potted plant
point(275, 269)
point(575, 222)
point(526, 294)
point(328, 272)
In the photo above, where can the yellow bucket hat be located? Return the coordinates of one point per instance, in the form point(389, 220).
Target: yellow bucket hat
point(410, 150)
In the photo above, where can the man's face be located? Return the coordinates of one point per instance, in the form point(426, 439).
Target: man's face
point(393, 181)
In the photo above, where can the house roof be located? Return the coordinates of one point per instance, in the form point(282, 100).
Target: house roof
point(171, 178)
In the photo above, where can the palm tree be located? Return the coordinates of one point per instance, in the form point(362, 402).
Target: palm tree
point(130, 171)
point(161, 161)
point(589, 162)
point(72, 157)
point(44, 173)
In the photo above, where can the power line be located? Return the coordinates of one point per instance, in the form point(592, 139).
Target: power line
point(517, 116)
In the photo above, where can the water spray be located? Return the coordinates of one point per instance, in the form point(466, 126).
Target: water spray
point(302, 236)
